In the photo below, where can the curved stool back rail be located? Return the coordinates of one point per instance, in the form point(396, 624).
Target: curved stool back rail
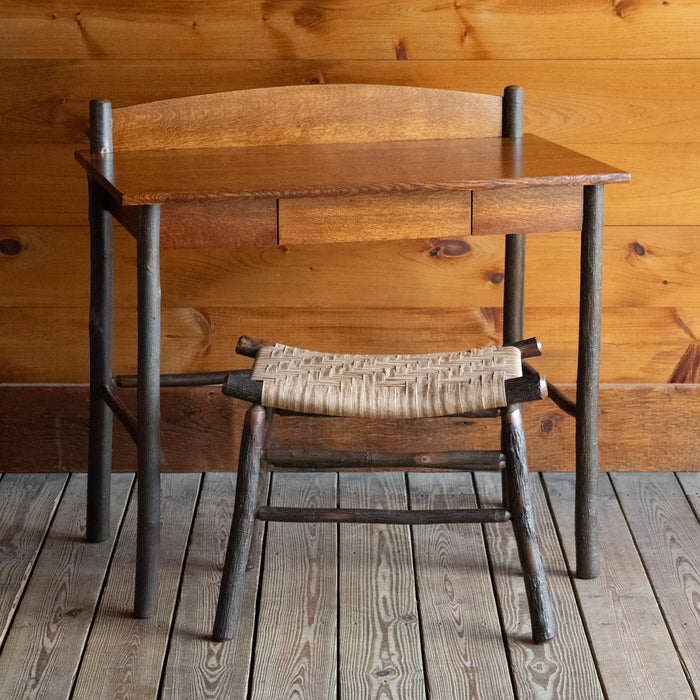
point(530, 347)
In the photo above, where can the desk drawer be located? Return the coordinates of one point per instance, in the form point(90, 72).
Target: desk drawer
point(219, 222)
point(374, 217)
point(527, 210)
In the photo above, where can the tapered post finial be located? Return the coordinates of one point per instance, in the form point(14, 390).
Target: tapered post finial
point(100, 127)
point(513, 112)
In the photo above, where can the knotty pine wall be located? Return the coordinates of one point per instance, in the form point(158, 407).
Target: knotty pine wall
point(616, 79)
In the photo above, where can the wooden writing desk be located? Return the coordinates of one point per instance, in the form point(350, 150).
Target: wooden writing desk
point(326, 192)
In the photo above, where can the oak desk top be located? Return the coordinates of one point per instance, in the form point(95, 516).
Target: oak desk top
point(341, 169)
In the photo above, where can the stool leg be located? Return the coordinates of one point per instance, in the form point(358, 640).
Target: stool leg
point(242, 525)
point(541, 614)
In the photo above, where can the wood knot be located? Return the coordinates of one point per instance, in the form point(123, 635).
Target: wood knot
point(308, 16)
point(621, 7)
point(637, 248)
point(448, 248)
point(496, 278)
point(10, 246)
point(400, 50)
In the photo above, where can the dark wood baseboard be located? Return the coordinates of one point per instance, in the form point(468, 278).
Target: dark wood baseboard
point(643, 427)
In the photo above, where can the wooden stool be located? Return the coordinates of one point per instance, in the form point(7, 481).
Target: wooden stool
point(482, 382)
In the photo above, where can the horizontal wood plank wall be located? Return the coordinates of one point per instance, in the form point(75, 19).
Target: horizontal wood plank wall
point(618, 81)
point(398, 29)
point(644, 428)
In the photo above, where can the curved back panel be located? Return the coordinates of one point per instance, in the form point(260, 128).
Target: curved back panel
point(302, 114)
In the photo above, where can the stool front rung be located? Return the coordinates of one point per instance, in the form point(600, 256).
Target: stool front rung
point(382, 516)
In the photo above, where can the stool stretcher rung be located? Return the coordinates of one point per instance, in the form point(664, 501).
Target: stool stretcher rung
point(335, 460)
point(381, 516)
point(129, 381)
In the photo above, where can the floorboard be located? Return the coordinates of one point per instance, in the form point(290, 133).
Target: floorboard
point(198, 667)
point(462, 637)
point(667, 535)
point(633, 649)
point(690, 482)
point(42, 653)
point(355, 611)
point(124, 656)
point(28, 505)
point(563, 667)
point(296, 643)
point(379, 654)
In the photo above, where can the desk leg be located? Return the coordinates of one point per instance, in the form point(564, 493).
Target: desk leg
point(587, 558)
point(148, 410)
point(513, 320)
point(100, 425)
point(514, 288)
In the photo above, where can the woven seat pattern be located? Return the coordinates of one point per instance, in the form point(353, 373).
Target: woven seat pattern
point(385, 386)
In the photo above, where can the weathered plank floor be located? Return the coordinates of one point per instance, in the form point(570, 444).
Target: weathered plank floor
point(357, 612)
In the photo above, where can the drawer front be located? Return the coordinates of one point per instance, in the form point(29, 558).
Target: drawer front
point(220, 222)
point(527, 210)
point(374, 217)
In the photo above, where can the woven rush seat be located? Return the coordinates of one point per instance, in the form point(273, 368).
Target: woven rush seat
point(385, 386)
